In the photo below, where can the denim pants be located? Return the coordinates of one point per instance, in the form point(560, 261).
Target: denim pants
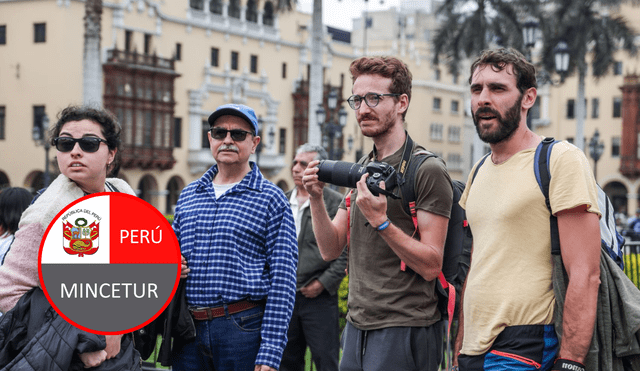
point(223, 344)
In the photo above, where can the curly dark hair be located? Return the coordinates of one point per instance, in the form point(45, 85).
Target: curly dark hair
point(111, 128)
point(389, 67)
point(499, 59)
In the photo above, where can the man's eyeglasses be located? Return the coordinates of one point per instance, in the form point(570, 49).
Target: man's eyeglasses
point(236, 134)
point(87, 144)
point(372, 99)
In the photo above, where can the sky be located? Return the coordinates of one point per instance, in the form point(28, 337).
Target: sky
point(339, 13)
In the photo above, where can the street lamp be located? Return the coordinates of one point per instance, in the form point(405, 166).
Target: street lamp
point(39, 136)
point(331, 130)
point(529, 36)
point(596, 148)
point(561, 52)
point(269, 137)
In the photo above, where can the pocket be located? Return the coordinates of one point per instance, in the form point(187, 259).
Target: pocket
point(516, 358)
point(249, 321)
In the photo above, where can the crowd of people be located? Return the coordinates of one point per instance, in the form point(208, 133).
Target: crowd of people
point(261, 267)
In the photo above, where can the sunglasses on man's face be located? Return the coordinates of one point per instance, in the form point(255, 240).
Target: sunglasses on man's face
point(87, 144)
point(236, 134)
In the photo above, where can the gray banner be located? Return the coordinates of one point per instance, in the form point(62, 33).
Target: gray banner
point(109, 297)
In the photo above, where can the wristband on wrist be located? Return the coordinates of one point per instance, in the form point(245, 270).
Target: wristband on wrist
point(383, 226)
point(567, 365)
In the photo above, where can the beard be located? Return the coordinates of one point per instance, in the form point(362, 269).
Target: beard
point(506, 126)
point(385, 124)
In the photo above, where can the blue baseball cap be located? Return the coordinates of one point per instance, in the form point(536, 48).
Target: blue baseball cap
point(238, 110)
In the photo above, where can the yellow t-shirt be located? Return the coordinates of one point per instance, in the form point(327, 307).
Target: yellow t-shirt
point(509, 282)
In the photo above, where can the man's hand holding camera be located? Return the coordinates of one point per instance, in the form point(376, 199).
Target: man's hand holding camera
point(374, 208)
point(311, 182)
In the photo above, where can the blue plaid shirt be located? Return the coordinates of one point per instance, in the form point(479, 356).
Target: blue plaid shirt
point(241, 246)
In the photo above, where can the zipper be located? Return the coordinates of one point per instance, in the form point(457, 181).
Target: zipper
point(517, 358)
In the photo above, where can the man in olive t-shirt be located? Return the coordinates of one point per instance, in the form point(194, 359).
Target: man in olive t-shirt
point(393, 322)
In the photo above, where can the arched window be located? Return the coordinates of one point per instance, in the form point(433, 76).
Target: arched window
point(252, 11)
point(234, 8)
point(267, 17)
point(215, 6)
point(196, 4)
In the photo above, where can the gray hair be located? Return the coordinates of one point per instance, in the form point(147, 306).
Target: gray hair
point(308, 147)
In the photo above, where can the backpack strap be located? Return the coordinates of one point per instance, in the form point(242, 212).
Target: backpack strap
point(111, 188)
point(543, 177)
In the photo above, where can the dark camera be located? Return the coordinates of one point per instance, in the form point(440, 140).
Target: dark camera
point(347, 174)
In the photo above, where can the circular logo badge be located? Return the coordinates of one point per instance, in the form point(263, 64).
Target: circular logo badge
point(109, 263)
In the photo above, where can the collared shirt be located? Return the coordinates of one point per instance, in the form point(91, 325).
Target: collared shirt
point(297, 209)
point(241, 246)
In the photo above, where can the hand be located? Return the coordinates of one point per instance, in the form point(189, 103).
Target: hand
point(310, 180)
point(263, 368)
point(113, 345)
point(185, 269)
point(313, 289)
point(93, 359)
point(374, 208)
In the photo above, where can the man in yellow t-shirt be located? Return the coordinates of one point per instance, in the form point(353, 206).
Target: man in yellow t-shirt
point(508, 301)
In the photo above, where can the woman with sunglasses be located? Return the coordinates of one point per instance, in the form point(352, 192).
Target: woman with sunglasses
point(87, 142)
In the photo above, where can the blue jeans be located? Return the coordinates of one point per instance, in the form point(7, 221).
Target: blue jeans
point(224, 343)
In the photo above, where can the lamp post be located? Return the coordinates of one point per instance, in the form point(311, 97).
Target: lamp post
point(269, 136)
point(329, 128)
point(561, 52)
point(39, 136)
point(596, 148)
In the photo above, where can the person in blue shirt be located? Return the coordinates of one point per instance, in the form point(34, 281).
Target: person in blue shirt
point(238, 238)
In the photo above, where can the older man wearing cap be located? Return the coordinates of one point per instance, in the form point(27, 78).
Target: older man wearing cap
point(238, 236)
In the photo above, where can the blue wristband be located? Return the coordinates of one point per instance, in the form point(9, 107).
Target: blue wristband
point(383, 226)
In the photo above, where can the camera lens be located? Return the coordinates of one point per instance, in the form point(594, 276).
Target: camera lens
point(340, 173)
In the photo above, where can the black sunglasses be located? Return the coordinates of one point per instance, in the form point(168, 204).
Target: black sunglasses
point(87, 144)
point(236, 134)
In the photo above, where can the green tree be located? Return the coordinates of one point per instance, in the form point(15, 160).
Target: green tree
point(588, 29)
point(469, 27)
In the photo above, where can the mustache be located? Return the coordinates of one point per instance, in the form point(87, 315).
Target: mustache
point(367, 116)
point(228, 147)
point(490, 110)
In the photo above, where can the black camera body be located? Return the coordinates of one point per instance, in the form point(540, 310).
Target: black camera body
point(347, 174)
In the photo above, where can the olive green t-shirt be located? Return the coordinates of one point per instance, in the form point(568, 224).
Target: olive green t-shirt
point(380, 294)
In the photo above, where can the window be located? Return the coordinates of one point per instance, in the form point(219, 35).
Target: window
point(455, 79)
point(234, 9)
point(128, 36)
point(178, 55)
point(284, 70)
point(147, 44)
point(177, 132)
point(438, 75)
point(535, 110)
point(617, 68)
point(39, 32)
point(254, 64)
point(38, 114)
point(455, 106)
point(3, 34)
point(282, 141)
point(215, 6)
point(196, 4)
point(617, 107)
point(437, 102)
point(454, 134)
point(571, 107)
point(214, 57)
point(436, 132)
point(234, 61)
point(267, 16)
point(615, 147)
point(252, 11)
point(454, 161)
point(205, 137)
point(2, 122)
point(595, 108)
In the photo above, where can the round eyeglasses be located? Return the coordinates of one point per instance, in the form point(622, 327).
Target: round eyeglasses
point(87, 144)
point(372, 99)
